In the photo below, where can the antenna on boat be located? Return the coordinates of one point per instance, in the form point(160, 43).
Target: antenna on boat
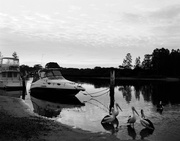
point(42, 58)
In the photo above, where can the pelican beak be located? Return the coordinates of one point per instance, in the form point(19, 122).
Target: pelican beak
point(136, 111)
point(119, 107)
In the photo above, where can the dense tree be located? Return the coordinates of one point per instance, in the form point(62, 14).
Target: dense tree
point(146, 64)
point(137, 63)
point(160, 59)
point(14, 55)
point(127, 62)
point(37, 67)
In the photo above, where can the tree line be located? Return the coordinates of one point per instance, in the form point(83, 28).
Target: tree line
point(160, 63)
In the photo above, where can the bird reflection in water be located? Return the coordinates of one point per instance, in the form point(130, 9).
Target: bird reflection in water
point(145, 132)
point(131, 132)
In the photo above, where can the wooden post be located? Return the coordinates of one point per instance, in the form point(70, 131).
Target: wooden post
point(112, 83)
point(24, 88)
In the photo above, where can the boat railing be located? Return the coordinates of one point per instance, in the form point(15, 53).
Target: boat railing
point(9, 68)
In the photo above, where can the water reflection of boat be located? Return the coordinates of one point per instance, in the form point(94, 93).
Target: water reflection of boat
point(50, 83)
point(53, 109)
point(16, 94)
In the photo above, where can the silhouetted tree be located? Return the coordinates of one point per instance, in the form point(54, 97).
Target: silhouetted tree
point(160, 59)
point(37, 67)
point(127, 62)
point(137, 63)
point(146, 64)
point(14, 55)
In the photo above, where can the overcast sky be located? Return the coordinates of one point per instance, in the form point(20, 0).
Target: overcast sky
point(87, 33)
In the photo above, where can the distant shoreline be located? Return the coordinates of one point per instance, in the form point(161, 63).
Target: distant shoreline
point(168, 79)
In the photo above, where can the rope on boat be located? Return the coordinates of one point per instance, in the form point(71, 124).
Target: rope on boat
point(101, 94)
point(97, 105)
point(93, 94)
point(99, 91)
point(104, 109)
point(97, 94)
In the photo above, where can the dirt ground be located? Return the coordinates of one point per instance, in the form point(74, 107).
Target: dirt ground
point(19, 123)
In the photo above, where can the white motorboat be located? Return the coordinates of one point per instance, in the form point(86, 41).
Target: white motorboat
point(10, 74)
point(49, 84)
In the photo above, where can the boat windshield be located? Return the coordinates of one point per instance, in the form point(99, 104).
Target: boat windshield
point(51, 74)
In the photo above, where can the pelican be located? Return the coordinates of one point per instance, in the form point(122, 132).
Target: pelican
point(132, 119)
point(160, 107)
point(116, 109)
point(114, 113)
point(146, 122)
point(113, 127)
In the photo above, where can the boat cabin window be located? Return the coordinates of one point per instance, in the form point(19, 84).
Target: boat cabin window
point(9, 74)
point(3, 74)
point(51, 74)
point(42, 74)
point(15, 74)
point(10, 61)
point(57, 73)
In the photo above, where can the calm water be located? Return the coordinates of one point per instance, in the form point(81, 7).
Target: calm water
point(87, 109)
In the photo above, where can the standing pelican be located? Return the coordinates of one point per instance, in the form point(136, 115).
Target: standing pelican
point(132, 119)
point(160, 107)
point(114, 112)
point(146, 122)
point(113, 126)
point(116, 109)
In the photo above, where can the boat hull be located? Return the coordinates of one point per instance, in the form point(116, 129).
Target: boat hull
point(53, 94)
point(11, 86)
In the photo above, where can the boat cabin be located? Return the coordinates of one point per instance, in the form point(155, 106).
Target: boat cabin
point(9, 68)
point(8, 64)
point(51, 73)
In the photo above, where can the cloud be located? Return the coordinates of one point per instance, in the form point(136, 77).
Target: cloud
point(165, 25)
point(96, 30)
point(166, 13)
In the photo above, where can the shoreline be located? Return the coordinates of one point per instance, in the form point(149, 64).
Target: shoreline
point(168, 79)
point(19, 123)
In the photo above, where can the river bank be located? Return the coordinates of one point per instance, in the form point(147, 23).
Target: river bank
point(19, 123)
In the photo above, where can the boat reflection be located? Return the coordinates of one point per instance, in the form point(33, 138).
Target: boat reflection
point(53, 109)
point(14, 93)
